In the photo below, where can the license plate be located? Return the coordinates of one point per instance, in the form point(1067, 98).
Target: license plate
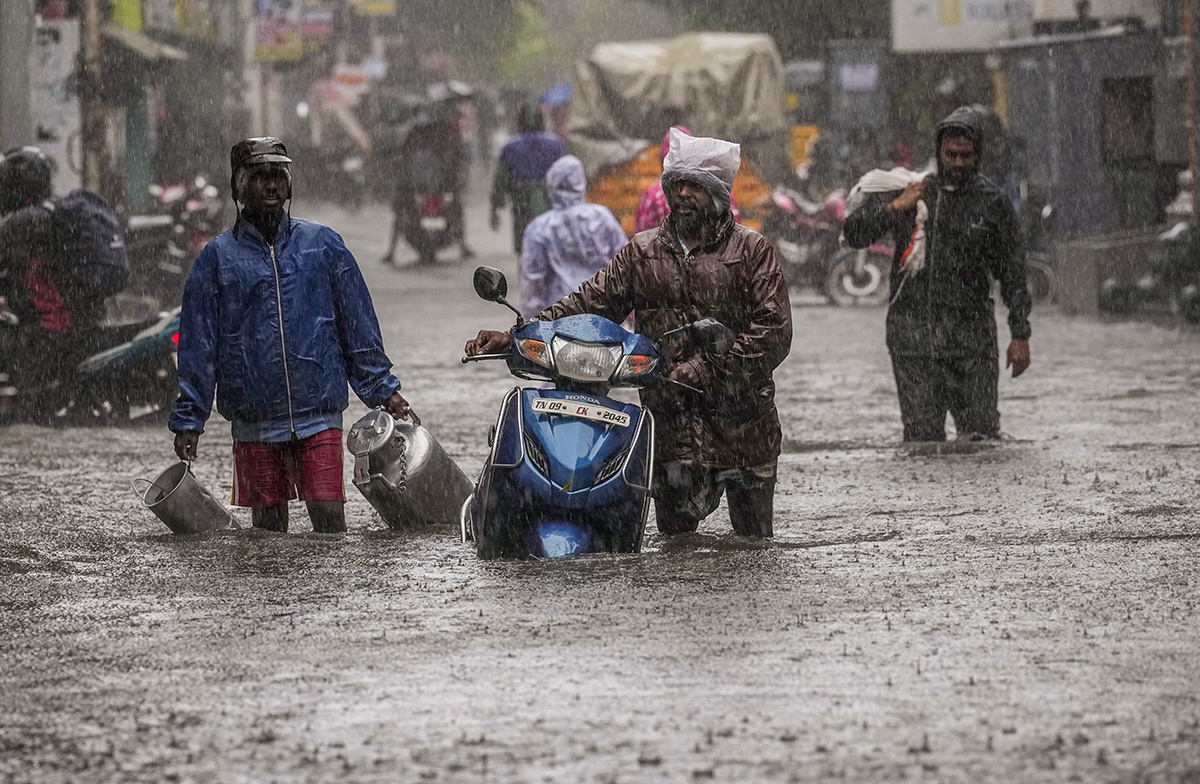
point(433, 224)
point(548, 405)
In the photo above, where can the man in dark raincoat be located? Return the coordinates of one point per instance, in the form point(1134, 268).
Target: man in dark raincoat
point(941, 325)
point(717, 426)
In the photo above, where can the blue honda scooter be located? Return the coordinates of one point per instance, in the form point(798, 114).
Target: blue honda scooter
point(570, 469)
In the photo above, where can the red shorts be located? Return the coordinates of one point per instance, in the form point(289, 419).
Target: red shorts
point(271, 474)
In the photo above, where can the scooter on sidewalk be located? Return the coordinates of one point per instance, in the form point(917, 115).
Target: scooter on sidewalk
point(570, 469)
point(131, 371)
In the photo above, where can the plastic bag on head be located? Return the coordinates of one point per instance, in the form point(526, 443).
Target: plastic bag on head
point(715, 157)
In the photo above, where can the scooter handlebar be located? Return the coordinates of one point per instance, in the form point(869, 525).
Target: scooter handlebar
point(482, 357)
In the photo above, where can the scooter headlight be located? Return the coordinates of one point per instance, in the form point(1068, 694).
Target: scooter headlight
point(586, 361)
point(636, 366)
point(536, 351)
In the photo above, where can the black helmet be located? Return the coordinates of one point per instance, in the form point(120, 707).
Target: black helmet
point(248, 152)
point(25, 174)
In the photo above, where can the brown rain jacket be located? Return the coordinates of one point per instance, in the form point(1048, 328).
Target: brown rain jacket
point(734, 278)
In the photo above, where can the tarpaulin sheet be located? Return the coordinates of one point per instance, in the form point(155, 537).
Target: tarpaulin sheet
point(726, 85)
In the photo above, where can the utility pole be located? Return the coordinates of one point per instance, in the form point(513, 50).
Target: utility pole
point(1190, 109)
point(94, 134)
point(252, 75)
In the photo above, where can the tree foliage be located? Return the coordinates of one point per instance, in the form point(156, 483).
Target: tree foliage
point(800, 27)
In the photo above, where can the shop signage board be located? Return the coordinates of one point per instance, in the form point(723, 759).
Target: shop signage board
point(958, 25)
point(55, 104)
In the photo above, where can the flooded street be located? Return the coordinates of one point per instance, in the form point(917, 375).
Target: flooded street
point(1027, 611)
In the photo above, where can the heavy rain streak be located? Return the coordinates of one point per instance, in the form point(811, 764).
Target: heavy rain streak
point(599, 391)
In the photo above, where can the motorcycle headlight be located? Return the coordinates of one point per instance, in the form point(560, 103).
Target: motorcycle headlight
point(536, 351)
point(585, 361)
point(636, 366)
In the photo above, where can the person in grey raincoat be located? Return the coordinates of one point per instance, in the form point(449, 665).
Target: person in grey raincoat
point(941, 324)
point(717, 428)
point(566, 246)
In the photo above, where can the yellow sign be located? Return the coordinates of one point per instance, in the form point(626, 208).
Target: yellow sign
point(375, 7)
point(128, 14)
point(950, 12)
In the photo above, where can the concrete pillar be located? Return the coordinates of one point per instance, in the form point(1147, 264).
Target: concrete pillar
point(16, 45)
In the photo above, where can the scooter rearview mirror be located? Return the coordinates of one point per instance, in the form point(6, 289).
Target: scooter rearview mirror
point(490, 284)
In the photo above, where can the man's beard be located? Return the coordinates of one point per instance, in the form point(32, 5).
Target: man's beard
point(266, 221)
point(694, 222)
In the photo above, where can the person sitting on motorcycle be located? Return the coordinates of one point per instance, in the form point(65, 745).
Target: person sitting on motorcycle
point(276, 321)
point(431, 160)
point(565, 247)
point(717, 428)
point(56, 314)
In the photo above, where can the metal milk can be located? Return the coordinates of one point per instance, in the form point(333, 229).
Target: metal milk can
point(404, 473)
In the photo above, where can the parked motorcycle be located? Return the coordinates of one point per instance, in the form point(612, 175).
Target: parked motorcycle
point(1172, 282)
point(162, 245)
point(570, 469)
point(1040, 278)
point(132, 373)
point(806, 235)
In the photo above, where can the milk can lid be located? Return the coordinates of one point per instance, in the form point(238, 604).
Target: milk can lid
point(370, 433)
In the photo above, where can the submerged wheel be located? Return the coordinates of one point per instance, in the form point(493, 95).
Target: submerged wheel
point(859, 278)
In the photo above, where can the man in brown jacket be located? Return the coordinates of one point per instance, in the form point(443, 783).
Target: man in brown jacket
point(718, 429)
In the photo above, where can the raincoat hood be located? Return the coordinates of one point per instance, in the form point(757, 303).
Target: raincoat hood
point(712, 163)
point(965, 118)
point(566, 182)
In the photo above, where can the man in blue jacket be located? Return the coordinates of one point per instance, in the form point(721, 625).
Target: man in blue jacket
point(276, 320)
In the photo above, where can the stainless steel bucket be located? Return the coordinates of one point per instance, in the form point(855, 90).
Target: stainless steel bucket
point(404, 473)
point(178, 499)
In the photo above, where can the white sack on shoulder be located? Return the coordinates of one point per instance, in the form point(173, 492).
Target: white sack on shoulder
point(897, 179)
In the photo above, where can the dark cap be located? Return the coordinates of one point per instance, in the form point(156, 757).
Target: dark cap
point(257, 149)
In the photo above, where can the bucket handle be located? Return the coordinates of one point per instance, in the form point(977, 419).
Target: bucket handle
point(150, 483)
point(142, 495)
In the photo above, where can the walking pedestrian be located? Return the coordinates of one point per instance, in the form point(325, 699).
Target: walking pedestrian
point(717, 429)
point(954, 231)
point(569, 244)
point(276, 320)
point(520, 178)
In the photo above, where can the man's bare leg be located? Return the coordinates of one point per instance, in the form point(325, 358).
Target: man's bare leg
point(328, 517)
point(270, 518)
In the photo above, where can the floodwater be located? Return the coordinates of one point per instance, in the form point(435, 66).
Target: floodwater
point(1025, 611)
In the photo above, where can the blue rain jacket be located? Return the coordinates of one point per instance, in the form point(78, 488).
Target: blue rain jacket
point(278, 356)
point(566, 246)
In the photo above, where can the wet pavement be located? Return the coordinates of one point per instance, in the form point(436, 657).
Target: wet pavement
point(1026, 611)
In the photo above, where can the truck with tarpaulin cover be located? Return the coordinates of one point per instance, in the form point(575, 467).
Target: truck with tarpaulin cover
point(726, 85)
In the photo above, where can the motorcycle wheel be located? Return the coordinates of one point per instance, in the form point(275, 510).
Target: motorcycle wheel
point(1039, 280)
point(867, 289)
